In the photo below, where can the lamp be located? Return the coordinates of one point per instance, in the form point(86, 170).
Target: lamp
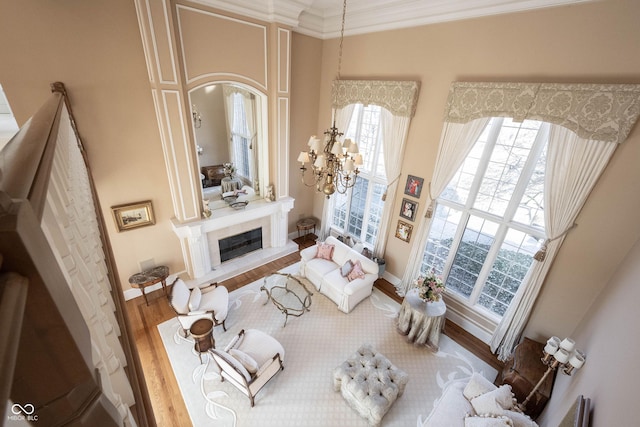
point(557, 354)
point(334, 164)
point(197, 119)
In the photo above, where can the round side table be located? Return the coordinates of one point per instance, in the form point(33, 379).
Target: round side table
point(421, 321)
point(202, 333)
point(305, 225)
point(150, 277)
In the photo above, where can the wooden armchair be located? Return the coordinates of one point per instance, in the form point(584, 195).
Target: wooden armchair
point(211, 302)
point(250, 360)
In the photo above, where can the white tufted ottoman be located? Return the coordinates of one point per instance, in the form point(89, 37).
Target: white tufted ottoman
point(369, 383)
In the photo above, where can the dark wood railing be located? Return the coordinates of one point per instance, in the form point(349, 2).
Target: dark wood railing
point(47, 369)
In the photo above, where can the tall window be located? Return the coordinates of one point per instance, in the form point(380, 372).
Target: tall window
point(241, 138)
point(489, 219)
point(357, 213)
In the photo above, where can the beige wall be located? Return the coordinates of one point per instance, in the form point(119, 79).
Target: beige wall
point(95, 49)
point(595, 42)
point(212, 133)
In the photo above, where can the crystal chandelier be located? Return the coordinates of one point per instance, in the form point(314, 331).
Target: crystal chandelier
point(334, 164)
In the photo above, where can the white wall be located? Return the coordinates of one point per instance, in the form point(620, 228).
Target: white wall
point(608, 334)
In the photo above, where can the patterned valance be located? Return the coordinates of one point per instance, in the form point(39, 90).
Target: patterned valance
point(399, 97)
point(603, 112)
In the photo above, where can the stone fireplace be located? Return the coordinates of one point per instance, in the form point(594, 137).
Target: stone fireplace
point(200, 240)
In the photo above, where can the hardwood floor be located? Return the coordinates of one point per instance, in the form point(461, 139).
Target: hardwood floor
point(168, 406)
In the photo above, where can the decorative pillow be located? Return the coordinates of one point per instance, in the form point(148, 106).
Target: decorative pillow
point(519, 419)
point(325, 251)
point(477, 385)
point(346, 268)
point(487, 421)
point(247, 361)
point(233, 362)
point(194, 299)
point(356, 272)
point(494, 402)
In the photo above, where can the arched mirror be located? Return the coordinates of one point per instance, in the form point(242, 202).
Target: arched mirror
point(230, 128)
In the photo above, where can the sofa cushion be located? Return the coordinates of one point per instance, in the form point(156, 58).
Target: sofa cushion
point(487, 421)
point(346, 268)
point(356, 272)
point(317, 268)
point(519, 419)
point(477, 385)
point(325, 251)
point(450, 409)
point(494, 402)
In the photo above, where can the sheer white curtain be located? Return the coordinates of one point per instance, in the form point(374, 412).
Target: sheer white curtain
point(573, 167)
point(229, 111)
point(343, 118)
point(455, 143)
point(394, 136)
point(249, 113)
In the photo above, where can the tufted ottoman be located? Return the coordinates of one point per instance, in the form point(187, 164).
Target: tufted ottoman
point(369, 383)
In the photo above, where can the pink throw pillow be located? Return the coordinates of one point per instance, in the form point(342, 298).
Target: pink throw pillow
point(325, 251)
point(356, 272)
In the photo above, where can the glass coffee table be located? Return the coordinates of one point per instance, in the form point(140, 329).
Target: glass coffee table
point(288, 293)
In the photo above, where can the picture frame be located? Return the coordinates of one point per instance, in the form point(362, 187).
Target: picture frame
point(413, 186)
point(133, 215)
point(408, 209)
point(403, 231)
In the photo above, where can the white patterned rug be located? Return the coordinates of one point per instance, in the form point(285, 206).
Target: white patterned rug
point(315, 343)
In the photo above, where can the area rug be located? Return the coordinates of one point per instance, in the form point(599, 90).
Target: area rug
point(315, 343)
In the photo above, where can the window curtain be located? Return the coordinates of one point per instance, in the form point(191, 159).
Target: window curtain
point(398, 100)
point(394, 134)
point(342, 118)
point(455, 143)
point(229, 111)
point(573, 167)
point(249, 112)
point(589, 120)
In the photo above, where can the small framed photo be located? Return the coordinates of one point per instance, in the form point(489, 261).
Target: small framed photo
point(133, 215)
point(413, 187)
point(408, 209)
point(403, 231)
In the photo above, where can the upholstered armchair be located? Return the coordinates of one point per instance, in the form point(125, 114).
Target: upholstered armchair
point(211, 302)
point(250, 360)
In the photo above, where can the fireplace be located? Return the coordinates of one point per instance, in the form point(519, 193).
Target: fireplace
point(240, 244)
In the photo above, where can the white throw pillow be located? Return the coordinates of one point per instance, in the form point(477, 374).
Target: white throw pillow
point(519, 419)
point(195, 298)
point(247, 361)
point(487, 421)
point(477, 385)
point(494, 402)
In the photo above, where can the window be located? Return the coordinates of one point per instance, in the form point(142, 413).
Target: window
point(358, 212)
point(241, 138)
point(490, 217)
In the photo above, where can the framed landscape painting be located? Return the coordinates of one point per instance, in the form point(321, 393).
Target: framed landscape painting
point(133, 215)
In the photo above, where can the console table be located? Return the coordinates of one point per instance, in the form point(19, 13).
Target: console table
point(421, 321)
point(522, 371)
point(150, 277)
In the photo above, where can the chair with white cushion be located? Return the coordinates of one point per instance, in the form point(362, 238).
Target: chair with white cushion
point(250, 360)
point(211, 302)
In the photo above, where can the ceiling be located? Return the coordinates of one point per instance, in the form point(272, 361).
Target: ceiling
point(322, 18)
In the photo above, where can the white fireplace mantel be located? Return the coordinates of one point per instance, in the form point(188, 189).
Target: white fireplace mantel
point(199, 239)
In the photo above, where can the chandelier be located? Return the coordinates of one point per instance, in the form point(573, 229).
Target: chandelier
point(334, 164)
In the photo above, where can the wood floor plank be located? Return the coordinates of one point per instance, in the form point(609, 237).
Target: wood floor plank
point(166, 399)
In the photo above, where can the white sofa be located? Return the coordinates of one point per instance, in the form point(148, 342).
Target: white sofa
point(476, 402)
point(327, 278)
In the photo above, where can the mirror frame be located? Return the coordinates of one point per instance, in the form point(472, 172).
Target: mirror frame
point(262, 137)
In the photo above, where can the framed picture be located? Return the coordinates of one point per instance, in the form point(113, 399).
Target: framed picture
point(413, 187)
point(133, 215)
point(408, 209)
point(403, 231)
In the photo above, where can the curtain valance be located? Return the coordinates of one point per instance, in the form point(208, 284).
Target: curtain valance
point(399, 97)
point(602, 112)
